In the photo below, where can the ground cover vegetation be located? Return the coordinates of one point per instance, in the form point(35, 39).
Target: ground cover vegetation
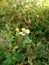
point(24, 32)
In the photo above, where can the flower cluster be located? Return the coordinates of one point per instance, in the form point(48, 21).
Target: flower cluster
point(23, 31)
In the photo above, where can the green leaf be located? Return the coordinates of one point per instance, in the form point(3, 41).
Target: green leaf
point(19, 56)
point(27, 40)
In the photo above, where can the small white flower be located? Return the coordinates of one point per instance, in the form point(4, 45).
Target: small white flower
point(21, 33)
point(27, 31)
point(17, 29)
point(23, 29)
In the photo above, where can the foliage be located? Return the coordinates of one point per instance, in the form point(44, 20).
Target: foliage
point(24, 33)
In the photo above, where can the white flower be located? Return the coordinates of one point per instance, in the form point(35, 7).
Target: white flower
point(21, 33)
point(23, 29)
point(17, 29)
point(27, 31)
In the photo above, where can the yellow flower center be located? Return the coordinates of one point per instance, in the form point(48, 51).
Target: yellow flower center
point(24, 30)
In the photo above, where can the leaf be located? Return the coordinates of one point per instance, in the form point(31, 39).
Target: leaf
point(19, 56)
point(41, 53)
point(27, 40)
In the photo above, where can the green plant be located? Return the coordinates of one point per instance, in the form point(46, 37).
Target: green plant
point(24, 32)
